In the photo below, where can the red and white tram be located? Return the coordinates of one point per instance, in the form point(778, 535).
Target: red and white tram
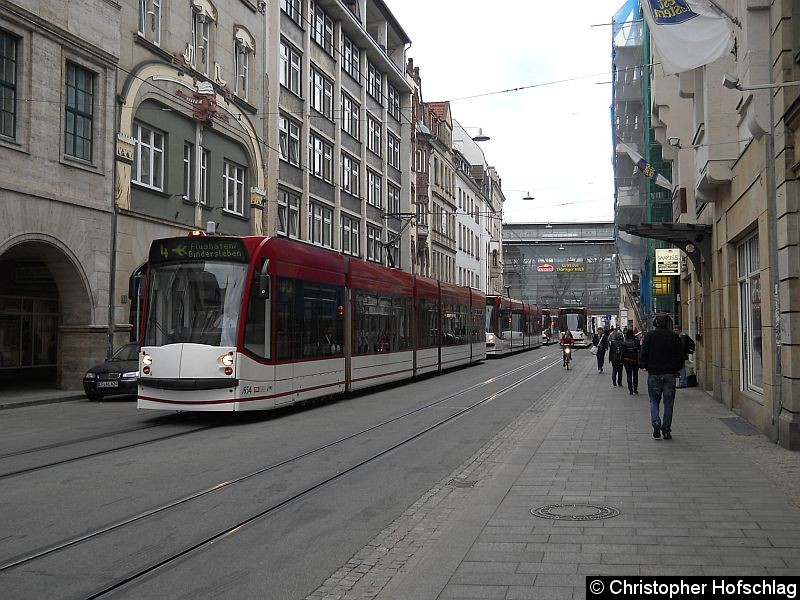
point(254, 323)
point(515, 325)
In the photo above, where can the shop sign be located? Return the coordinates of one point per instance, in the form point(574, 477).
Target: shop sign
point(545, 268)
point(570, 268)
point(668, 261)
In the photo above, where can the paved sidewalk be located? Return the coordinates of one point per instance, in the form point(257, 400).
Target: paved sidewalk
point(717, 499)
point(18, 398)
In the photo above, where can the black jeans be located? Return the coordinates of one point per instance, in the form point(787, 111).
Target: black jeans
point(632, 373)
point(601, 358)
point(616, 372)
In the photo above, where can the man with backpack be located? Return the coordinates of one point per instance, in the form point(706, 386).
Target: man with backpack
point(687, 345)
point(615, 356)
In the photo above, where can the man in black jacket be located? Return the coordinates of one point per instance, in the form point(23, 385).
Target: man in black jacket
point(662, 357)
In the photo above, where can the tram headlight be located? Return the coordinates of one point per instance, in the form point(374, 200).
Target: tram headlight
point(147, 359)
point(226, 360)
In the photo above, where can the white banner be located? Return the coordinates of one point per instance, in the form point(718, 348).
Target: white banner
point(645, 167)
point(687, 33)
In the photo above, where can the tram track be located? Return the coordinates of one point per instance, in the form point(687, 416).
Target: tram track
point(95, 454)
point(68, 543)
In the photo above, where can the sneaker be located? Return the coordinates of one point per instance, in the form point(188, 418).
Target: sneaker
point(667, 435)
point(657, 431)
point(630, 392)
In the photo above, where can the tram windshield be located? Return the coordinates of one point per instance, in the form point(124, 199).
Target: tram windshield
point(194, 302)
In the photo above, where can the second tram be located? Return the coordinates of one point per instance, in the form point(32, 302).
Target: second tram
point(576, 319)
point(255, 323)
point(514, 325)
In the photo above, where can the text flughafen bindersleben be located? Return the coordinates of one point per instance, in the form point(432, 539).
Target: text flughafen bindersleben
point(750, 586)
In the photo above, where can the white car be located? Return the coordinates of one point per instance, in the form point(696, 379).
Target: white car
point(490, 339)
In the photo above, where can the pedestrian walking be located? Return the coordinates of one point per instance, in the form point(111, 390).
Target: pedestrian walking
point(661, 357)
point(687, 345)
point(615, 356)
point(602, 346)
point(630, 359)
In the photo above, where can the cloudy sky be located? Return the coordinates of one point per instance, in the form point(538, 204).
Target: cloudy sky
point(552, 138)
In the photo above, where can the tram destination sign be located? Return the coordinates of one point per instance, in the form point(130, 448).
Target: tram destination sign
point(668, 261)
point(198, 248)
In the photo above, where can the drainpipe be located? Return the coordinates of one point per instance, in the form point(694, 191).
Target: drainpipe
point(113, 250)
point(772, 213)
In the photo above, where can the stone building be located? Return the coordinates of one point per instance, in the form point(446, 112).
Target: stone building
point(58, 65)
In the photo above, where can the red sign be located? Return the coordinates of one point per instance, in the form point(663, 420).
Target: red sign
point(545, 268)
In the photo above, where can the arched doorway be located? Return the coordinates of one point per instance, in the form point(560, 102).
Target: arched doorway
point(42, 292)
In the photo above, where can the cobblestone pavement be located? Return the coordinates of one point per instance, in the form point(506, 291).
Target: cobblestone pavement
point(715, 500)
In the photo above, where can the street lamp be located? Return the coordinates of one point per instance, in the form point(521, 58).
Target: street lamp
point(481, 137)
point(732, 83)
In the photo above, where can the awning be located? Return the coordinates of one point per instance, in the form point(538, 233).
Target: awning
point(694, 240)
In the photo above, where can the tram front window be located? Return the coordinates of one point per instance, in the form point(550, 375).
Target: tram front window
point(573, 322)
point(197, 302)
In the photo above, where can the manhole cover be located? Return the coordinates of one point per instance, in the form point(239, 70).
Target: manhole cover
point(574, 512)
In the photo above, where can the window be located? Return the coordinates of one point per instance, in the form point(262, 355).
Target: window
point(79, 118)
point(292, 8)
point(321, 27)
point(381, 322)
point(394, 150)
point(321, 92)
point(393, 251)
point(320, 157)
point(289, 140)
point(351, 238)
point(309, 319)
point(374, 82)
point(320, 224)
point(374, 135)
point(148, 160)
point(393, 199)
point(288, 214)
point(150, 20)
point(374, 244)
point(188, 171)
point(233, 186)
point(351, 170)
point(374, 188)
point(351, 58)
point(394, 102)
point(749, 275)
point(290, 68)
point(241, 66)
point(8, 85)
point(204, 177)
point(200, 50)
point(350, 112)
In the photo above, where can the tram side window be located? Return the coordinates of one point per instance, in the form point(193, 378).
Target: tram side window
point(285, 325)
point(427, 324)
point(477, 333)
point(382, 323)
point(309, 320)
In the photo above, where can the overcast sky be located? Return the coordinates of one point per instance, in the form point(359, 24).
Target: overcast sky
point(553, 139)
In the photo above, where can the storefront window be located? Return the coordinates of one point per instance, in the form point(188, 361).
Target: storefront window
point(749, 272)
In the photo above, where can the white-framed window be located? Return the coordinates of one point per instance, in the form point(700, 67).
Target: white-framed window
point(290, 68)
point(188, 171)
point(320, 224)
point(204, 177)
point(351, 58)
point(393, 145)
point(288, 214)
point(374, 83)
point(241, 66)
point(321, 27)
point(350, 116)
point(394, 102)
point(351, 235)
point(148, 159)
point(289, 140)
point(320, 157)
point(233, 178)
point(201, 41)
point(392, 198)
point(79, 112)
point(150, 20)
point(8, 84)
point(374, 245)
point(293, 9)
point(321, 92)
point(374, 185)
point(351, 175)
point(393, 250)
point(751, 345)
point(374, 135)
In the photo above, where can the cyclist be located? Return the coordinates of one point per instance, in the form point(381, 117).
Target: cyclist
point(567, 341)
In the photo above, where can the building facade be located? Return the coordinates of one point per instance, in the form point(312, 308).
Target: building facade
point(58, 67)
point(734, 213)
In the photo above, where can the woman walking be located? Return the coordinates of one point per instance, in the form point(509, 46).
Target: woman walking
point(630, 358)
point(602, 346)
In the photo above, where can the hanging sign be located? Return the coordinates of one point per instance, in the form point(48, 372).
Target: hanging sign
point(668, 261)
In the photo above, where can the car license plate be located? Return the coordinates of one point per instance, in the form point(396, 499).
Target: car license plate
point(107, 384)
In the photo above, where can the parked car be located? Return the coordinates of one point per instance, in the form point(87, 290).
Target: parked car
point(117, 376)
point(491, 340)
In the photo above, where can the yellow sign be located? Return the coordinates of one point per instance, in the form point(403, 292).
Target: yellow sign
point(570, 268)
